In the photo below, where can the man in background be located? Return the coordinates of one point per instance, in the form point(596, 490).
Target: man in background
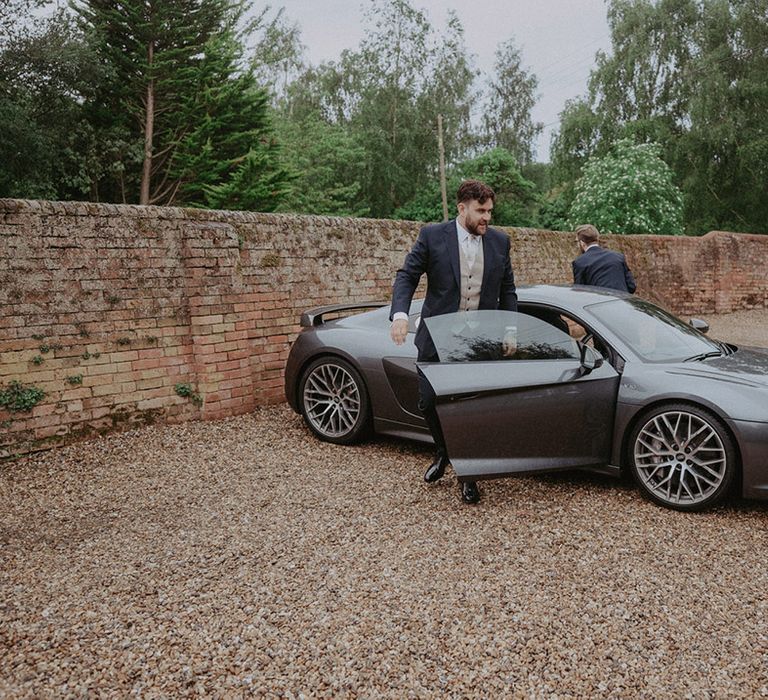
point(599, 267)
point(468, 267)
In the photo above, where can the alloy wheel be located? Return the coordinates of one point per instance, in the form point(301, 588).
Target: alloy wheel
point(332, 400)
point(682, 459)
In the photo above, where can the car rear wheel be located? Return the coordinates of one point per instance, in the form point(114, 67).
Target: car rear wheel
point(682, 457)
point(334, 401)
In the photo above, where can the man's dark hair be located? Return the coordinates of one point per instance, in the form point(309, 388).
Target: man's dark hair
point(474, 189)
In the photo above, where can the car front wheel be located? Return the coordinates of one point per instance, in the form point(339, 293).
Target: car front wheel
point(682, 457)
point(334, 401)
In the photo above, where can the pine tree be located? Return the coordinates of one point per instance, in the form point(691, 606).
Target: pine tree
point(192, 117)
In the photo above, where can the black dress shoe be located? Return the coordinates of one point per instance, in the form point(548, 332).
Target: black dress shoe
point(436, 469)
point(469, 492)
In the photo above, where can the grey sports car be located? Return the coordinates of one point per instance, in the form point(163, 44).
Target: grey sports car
point(580, 377)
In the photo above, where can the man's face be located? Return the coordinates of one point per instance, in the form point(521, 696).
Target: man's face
point(474, 216)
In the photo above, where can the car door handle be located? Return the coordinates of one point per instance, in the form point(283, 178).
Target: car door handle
point(464, 397)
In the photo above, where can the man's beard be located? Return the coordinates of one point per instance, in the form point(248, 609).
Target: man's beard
point(472, 226)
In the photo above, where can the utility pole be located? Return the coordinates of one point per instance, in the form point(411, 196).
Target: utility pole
point(441, 148)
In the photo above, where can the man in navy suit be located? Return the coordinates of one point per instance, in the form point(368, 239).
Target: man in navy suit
point(599, 267)
point(468, 267)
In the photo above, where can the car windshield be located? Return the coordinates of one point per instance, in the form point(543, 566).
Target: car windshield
point(486, 336)
point(654, 334)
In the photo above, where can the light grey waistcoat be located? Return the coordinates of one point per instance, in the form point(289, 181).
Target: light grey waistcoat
point(471, 279)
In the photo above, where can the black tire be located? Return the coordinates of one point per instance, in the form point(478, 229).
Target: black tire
point(682, 457)
point(334, 401)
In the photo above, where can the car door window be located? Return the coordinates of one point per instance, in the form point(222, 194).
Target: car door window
point(496, 336)
point(574, 327)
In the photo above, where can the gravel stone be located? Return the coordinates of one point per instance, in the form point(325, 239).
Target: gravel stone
point(243, 558)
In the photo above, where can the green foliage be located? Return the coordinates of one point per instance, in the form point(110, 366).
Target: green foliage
point(507, 119)
point(19, 397)
point(46, 70)
point(252, 184)
point(186, 391)
point(724, 155)
point(554, 208)
point(386, 96)
point(329, 167)
point(579, 137)
point(189, 125)
point(37, 360)
point(277, 58)
point(692, 76)
point(629, 190)
point(515, 196)
point(75, 379)
point(161, 103)
point(230, 158)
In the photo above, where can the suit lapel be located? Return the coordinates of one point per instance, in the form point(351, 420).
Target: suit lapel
point(488, 259)
point(452, 244)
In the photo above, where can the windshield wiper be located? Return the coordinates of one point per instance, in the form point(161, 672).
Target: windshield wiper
point(704, 356)
point(727, 349)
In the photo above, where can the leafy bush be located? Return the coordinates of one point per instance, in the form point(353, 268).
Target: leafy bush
point(628, 190)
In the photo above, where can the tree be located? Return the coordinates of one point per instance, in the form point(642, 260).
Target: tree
point(723, 156)
point(177, 89)
point(629, 190)
point(13, 28)
point(581, 135)
point(228, 156)
point(515, 196)
point(643, 81)
point(507, 121)
point(328, 165)
point(692, 76)
point(46, 70)
point(278, 56)
point(387, 94)
point(387, 74)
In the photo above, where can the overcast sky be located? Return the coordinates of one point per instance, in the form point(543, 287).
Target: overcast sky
point(558, 39)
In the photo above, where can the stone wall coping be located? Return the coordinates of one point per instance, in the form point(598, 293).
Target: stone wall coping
point(75, 208)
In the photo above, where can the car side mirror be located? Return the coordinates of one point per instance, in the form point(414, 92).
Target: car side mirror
point(699, 325)
point(590, 359)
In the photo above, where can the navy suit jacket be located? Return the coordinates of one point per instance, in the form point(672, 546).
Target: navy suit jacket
point(603, 268)
point(436, 253)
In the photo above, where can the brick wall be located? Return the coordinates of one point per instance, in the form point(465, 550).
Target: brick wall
point(112, 310)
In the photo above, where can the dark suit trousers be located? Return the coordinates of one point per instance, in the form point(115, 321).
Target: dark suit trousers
point(427, 408)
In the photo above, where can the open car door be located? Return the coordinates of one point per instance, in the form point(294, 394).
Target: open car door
point(516, 394)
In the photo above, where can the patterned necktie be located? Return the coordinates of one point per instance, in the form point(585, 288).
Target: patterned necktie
point(470, 248)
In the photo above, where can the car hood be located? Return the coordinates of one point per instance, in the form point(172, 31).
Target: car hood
point(746, 365)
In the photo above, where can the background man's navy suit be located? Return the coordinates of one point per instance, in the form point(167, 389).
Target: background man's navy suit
point(603, 268)
point(436, 253)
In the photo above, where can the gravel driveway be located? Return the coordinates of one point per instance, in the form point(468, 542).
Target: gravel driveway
point(242, 558)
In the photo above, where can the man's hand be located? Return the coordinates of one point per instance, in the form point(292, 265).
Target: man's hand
point(399, 330)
